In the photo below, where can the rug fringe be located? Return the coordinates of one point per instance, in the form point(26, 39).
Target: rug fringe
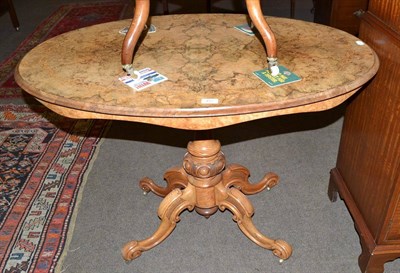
point(60, 263)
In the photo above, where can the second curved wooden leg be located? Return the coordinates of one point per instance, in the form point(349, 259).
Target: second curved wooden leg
point(233, 200)
point(238, 176)
point(140, 16)
point(170, 208)
point(257, 17)
point(175, 177)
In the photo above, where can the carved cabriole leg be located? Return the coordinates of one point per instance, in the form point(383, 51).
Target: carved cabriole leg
point(257, 17)
point(140, 16)
point(175, 177)
point(238, 176)
point(170, 208)
point(233, 200)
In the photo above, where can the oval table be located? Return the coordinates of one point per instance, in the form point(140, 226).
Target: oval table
point(209, 66)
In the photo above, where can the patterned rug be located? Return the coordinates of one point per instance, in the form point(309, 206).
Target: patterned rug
point(43, 160)
point(65, 18)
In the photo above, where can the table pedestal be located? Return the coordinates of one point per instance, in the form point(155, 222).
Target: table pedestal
point(205, 184)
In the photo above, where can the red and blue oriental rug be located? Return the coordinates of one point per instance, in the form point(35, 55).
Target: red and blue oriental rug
point(44, 158)
point(65, 18)
point(43, 161)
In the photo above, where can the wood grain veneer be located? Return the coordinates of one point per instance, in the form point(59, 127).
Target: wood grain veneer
point(387, 11)
point(204, 57)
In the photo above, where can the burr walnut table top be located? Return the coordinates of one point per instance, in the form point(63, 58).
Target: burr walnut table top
point(204, 57)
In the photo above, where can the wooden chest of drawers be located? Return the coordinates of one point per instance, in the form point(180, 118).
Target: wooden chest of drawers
point(367, 173)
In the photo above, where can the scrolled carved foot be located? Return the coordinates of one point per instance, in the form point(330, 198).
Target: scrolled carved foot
point(175, 177)
point(282, 249)
point(131, 251)
point(270, 180)
point(170, 208)
point(242, 210)
point(147, 185)
point(238, 176)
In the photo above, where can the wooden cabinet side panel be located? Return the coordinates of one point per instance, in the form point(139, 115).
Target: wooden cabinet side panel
point(339, 13)
point(323, 10)
point(388, 11)
point(370, 146)
point(343, 17)
point(393, 229)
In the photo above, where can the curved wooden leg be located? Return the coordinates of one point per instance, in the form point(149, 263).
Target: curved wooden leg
point(175, 177)
point(233, 200)
point(140, 17)
point(170, 208)
point(238, 176)
point(257, 17)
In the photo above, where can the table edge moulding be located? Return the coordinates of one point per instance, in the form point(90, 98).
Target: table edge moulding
point(76, 75)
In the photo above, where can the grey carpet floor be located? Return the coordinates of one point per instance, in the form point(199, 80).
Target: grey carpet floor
point(301, 149)
point(113, 209)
